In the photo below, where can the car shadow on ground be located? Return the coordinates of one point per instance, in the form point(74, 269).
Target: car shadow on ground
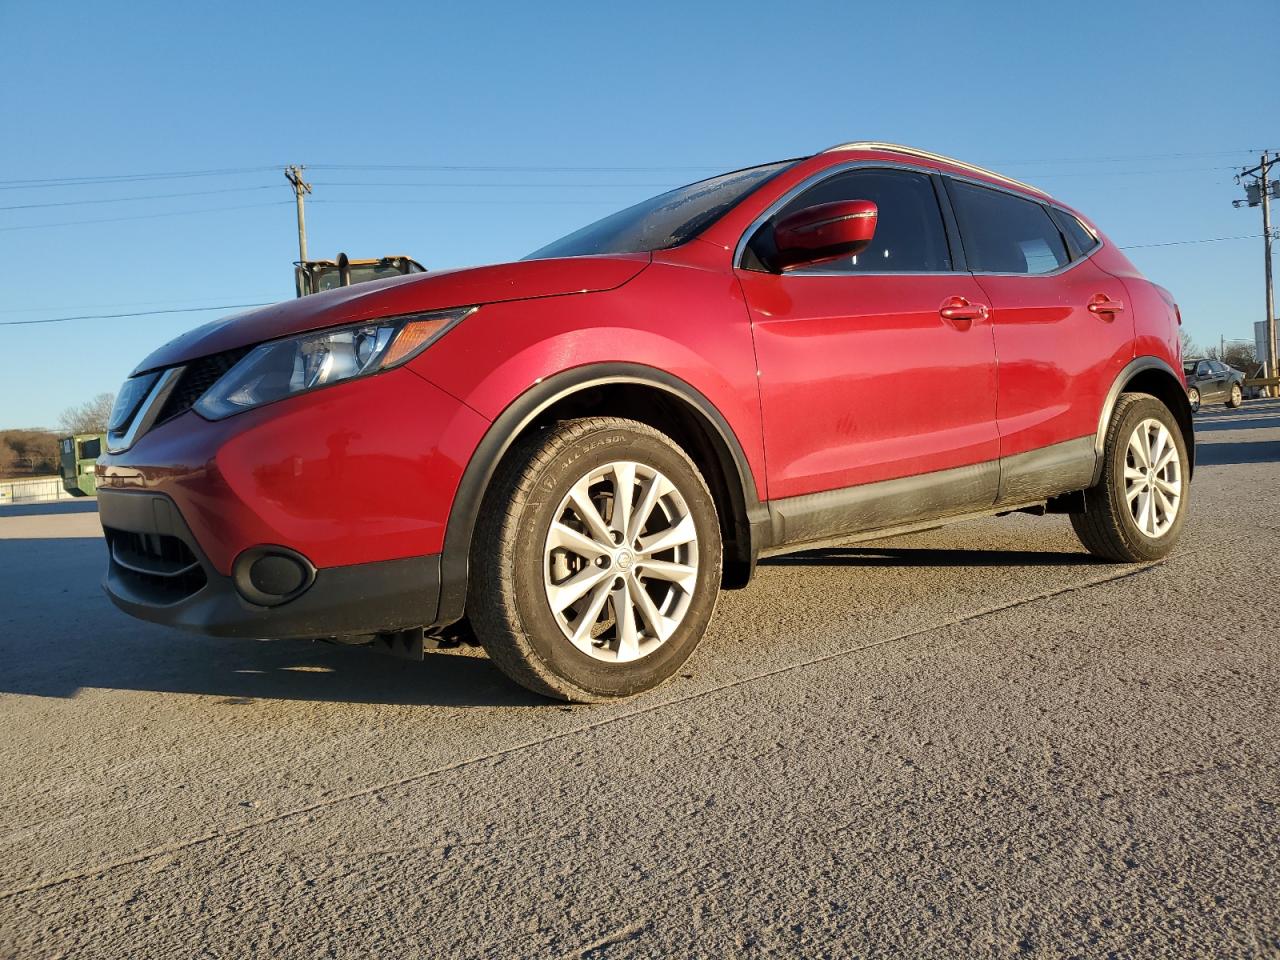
point(1234, 421)
point(871, 556)
point(60, 635)
point(79, 505)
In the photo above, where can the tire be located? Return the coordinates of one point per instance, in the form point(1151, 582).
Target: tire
point(1236, 398)
point(1193, 397)
point(522, 568)
point(1109, 527)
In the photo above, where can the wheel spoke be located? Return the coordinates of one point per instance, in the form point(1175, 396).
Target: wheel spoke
point(580, 500)
point(587, 619)
point(1157, 450)
point(624, 491)
point(1144, 511)
point(675, 536)
point(648, 500)
point(679, 573)
point(1133, 473)
point(1167, 488)
point(563, 594)
point(1167, 506)
point(567, 538)
point(1165, 458)
point(659, 625)
point(1138, 447)
point(624, 615)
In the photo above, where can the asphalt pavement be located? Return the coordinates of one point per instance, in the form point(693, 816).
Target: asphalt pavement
point(975, 741)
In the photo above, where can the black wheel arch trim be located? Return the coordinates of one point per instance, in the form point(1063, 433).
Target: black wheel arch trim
point(1126, 376)
point(525, 409)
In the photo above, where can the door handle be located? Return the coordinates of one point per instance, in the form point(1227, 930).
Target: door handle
point(1104, 307)
point(960, 309)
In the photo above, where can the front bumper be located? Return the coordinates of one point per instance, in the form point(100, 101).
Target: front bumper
point(157, 571)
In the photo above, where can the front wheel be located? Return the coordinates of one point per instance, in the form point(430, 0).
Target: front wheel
point(1193, 397)
point(1236, 398)
point(1135, 512)
point(595, 566)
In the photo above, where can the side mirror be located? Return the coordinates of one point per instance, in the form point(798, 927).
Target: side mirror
point(827, 231)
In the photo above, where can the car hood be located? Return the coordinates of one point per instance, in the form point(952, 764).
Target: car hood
point(440, 290)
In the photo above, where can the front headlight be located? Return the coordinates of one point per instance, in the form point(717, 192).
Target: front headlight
point(281, 368)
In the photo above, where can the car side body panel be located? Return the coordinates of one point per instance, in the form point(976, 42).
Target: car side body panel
point(862, 380)
point(1057, 359)
point(504, 350)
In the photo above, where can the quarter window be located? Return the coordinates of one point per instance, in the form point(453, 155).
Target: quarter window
point(1079, 237)
point(910, 236)
point(1006, 234)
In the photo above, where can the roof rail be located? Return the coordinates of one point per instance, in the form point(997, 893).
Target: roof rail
point(926, 155)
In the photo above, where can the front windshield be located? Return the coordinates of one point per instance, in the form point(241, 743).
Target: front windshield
point(662, 221)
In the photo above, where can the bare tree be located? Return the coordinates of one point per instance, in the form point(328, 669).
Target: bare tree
point(1189, 347)
point(89, 417)
point(1241, 356)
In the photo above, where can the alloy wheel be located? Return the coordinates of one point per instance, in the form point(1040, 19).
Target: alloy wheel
point(1152, 478)
point(620, 561)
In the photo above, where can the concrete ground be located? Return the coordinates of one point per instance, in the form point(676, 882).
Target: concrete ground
point(974, 741)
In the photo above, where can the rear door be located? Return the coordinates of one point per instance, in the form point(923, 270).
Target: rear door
point(862, 376)
point(1062, 329)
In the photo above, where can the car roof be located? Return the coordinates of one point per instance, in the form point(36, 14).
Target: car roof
point(876, 146)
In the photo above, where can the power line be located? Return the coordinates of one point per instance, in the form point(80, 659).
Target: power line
point(499, 168)
point(1130, 157)
point(490, 186)
point(185, 301)
point(94, 179)
point(506, 203)
point(126, 178)
point(142, 313)
point(150, 196)
point(147, 216)
point(1179, 243)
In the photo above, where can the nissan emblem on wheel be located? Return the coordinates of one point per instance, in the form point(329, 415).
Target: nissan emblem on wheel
point(582, 448)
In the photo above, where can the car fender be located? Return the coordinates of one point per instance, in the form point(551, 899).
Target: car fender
point(524, 410)
point(1175, 398)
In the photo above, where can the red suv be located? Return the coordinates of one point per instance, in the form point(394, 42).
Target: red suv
point(576, 451)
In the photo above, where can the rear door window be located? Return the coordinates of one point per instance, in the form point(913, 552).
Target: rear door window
point(1006, 234)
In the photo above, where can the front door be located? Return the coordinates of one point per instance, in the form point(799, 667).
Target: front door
point(878, 366)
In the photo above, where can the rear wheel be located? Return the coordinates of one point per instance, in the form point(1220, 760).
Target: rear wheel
point(1136, 510)
point(595, 567)
point(1236, 397)
point(1193, 397)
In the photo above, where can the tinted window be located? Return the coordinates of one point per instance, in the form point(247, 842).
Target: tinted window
point(663, 221)
point(1203, 369)
point(1078, 236)
point(1219, 367)
point(1006, 234)
point(909, 231)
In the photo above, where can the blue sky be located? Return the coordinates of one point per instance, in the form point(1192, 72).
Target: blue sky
point(1138, 113)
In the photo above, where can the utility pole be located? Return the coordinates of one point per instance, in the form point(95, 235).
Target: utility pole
point(1258, 193)
point(294, 175)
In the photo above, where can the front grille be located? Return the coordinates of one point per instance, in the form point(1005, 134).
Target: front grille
point(160, 567)
point(197, 378)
